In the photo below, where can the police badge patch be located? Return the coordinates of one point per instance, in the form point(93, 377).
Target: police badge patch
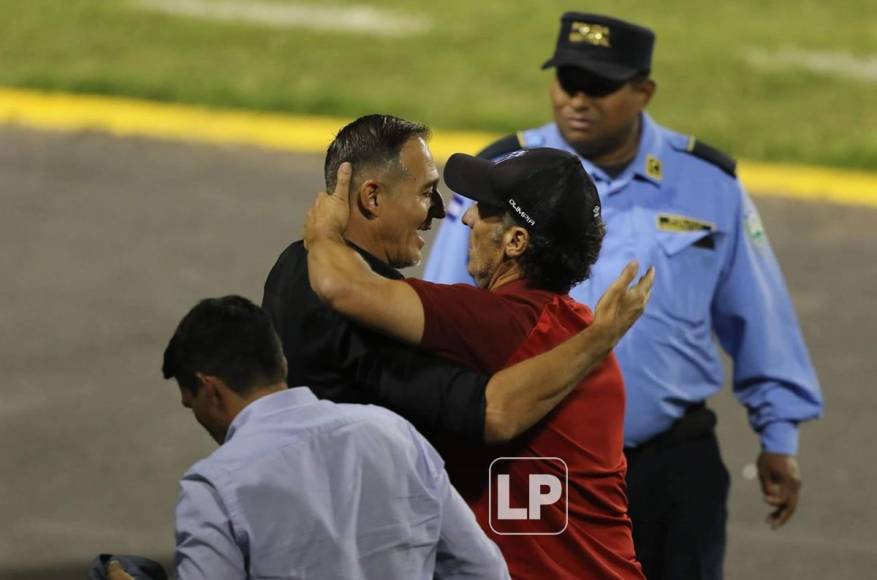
point(754, 227)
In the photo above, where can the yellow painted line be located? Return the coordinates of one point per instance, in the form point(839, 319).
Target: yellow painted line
point(810, 183)
point(134, 117)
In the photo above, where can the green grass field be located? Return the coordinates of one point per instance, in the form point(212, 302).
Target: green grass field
point(477, 67)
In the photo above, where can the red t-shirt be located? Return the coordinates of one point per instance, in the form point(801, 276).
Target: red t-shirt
point(490, 330)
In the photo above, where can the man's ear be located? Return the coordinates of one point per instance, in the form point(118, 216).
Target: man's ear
point(645, 91)
point(368, 198)
point(214, 390)
point(516, 240)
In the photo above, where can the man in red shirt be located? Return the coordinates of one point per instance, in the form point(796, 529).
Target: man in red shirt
point(535, 232)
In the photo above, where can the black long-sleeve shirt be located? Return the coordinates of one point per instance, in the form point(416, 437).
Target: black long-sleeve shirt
point(345, 362)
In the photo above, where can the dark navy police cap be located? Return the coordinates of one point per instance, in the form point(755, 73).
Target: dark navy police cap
point(546, 190)
point(604, 46)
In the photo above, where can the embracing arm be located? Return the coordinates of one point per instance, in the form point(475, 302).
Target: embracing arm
point(449, 397)
point(345, 282)
point(521, 395)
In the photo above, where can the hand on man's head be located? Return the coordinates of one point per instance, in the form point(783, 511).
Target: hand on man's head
point(330, 213)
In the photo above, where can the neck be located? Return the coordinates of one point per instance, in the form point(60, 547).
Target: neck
point(626, 149)
point(357, 234)
point(232, 404)
point(508, 271)
point(258, 393)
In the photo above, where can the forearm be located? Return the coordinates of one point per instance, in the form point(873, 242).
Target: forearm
point(343, 280)
point(336, 272)
point(521, 395)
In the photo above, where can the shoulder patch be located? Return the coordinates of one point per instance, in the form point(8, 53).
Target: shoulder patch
point(498, 148)
point(712, 155)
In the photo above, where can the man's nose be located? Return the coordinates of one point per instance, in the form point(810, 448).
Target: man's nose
point(580, 100)
point(436, 206)
point(469, 216)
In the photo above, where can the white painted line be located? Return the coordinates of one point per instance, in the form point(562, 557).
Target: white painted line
point(833, 63)
point(355, 18)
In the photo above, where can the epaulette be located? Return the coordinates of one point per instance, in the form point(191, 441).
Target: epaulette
point(507, 144)
point(712, 155)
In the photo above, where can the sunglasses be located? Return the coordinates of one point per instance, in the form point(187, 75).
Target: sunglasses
point(575, 80)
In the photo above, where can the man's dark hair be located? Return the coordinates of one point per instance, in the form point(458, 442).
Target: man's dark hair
point(369, 142)
point(558, 261)
point(230, 338)
point(560, 254)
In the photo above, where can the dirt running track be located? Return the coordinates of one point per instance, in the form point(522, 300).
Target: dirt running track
point(106, 242)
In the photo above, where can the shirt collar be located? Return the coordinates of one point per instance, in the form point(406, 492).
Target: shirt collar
point(518, 286)
point(378, 266)
point(647, 164)
point(643, 165)
point(294, 397)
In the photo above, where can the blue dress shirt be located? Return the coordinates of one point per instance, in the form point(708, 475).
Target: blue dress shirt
point(715, 274)
point(304, 488)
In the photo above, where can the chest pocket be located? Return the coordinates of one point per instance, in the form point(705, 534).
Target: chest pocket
point(687, 264)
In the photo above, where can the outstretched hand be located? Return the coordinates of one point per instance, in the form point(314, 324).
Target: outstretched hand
point(330, 213)
point(621, 305)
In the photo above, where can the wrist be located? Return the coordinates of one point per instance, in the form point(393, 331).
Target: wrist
point(600, 338)
point(780, 437)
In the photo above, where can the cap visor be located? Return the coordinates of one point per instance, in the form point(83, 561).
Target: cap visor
point(470, 177)
point(606, 70)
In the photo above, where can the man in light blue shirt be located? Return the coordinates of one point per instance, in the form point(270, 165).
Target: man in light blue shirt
point(674, 203)
point(301, 487)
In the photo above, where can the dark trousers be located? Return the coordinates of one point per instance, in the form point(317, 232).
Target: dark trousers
point(678, 495)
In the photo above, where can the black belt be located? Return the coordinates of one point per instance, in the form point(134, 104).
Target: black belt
point(697, 422)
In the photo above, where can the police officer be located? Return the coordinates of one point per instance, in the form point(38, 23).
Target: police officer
point(671, 201)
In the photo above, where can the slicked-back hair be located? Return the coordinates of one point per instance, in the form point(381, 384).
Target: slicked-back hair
point(370, 142)
point(230, 338)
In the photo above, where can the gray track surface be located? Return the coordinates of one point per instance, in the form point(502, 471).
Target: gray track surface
point(106, 243)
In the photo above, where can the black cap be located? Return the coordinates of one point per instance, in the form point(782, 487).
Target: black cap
point(546, 190)
point(607, 47)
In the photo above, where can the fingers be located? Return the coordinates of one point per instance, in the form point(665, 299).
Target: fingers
point(785, 513)
point(342, 184)
point(648, 279)
point(625, 278)
point(782, 495)
point(645, 284)
point(771, 490)
point(115, 571)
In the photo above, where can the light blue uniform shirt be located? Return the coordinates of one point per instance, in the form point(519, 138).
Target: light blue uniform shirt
point(666, 209)
point(304, 488)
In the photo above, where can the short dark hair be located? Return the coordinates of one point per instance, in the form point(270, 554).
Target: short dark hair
point(368, 142)
point(230, 338)
point(558, 262)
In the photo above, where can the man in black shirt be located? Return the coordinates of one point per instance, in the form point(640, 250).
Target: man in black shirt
point(394, 194)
